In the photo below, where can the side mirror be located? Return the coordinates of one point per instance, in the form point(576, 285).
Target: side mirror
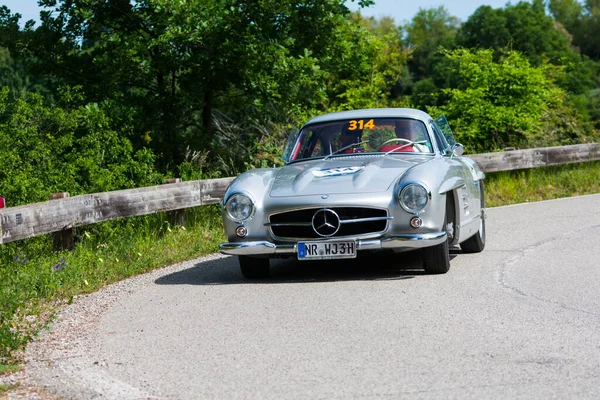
point(457, 150)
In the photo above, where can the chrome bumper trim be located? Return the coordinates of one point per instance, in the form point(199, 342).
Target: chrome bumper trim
point(413, 241)
point(391, 242)
point(256, 248)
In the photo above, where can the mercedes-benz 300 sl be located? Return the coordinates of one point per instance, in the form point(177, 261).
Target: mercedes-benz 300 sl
point(374, 180)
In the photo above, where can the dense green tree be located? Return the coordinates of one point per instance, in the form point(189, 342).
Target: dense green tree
point(366, 65)
point(524, 27)
point(171, 64)
point(567, 12)
point(429, 30)
point(582, 21)
point(527, 28)
point(12, 74)
point(508, 102)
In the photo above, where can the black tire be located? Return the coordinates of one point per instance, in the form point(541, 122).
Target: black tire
point(436, 259)
point(254, 268)
point(476, 243)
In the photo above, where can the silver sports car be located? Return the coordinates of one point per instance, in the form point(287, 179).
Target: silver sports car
point(354, 182)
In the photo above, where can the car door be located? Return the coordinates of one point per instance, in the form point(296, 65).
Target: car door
point(468, 196)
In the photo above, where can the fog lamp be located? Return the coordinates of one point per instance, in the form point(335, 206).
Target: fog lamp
point(241, 231)
point(416, 222)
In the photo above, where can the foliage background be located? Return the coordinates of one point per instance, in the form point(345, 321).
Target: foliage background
point(211, 87)
point(114, 94)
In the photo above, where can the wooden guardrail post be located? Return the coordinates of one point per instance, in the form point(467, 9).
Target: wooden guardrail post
point(176, 217)
point(63, 240)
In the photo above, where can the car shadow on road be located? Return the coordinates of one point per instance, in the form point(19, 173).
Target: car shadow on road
point(226, 271)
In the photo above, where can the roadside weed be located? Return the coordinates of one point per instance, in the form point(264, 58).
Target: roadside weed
point(522, 186)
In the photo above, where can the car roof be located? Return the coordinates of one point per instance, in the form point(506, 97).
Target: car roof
point(371, 113)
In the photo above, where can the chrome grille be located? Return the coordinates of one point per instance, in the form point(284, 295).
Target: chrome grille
point(354, 221)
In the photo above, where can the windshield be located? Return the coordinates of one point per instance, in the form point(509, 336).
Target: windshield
point(371, 135)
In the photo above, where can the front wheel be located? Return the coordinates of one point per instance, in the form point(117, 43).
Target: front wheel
point(254, 268)
point(436, 259)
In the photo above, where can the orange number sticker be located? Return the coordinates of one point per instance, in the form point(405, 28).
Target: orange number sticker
point(360, 124)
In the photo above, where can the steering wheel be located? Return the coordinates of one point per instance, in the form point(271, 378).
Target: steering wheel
point(401, 140)
point(397, 140)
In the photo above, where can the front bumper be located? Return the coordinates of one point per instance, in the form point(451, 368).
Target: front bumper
point(389, 242)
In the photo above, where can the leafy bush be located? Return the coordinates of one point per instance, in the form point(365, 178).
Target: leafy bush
point(46, 149)
point(508, 103)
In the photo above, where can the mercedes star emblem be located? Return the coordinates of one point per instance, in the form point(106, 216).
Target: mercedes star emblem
point(326, 222)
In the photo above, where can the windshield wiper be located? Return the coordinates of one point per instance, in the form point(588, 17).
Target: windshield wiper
point(350, 146)
point(405, 145)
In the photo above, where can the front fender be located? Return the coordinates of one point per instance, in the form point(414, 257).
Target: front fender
point(434, 175)
point(453, 183)
point(255, 183)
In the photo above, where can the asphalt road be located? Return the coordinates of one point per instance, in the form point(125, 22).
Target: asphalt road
point(520, 320)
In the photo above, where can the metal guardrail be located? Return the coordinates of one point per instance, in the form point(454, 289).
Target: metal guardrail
point(64, 213)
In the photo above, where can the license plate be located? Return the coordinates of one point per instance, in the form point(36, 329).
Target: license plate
point(326, 250)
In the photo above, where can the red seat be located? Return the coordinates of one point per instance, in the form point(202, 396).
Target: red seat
point(404, 148)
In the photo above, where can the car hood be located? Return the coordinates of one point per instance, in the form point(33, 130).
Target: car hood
point(343, 175)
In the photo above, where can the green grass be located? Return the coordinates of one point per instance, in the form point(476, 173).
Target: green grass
point(8, 388)
point(6, 369)
point(512, 187)
point(35, 281)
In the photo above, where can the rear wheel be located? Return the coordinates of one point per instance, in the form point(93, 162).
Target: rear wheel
point(436, 259)
point(254, 268)
point(476, 243)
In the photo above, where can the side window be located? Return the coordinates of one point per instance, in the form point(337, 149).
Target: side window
point(439, 138)
point(441, 123)
point(304, 148)
point(289, 145)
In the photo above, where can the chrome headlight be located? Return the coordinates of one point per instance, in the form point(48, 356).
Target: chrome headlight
point(414, 198)
point(239, 207)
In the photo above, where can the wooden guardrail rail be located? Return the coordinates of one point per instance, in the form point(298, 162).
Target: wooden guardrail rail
point(539, 157)
point(65, 213)
point(30, 220)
